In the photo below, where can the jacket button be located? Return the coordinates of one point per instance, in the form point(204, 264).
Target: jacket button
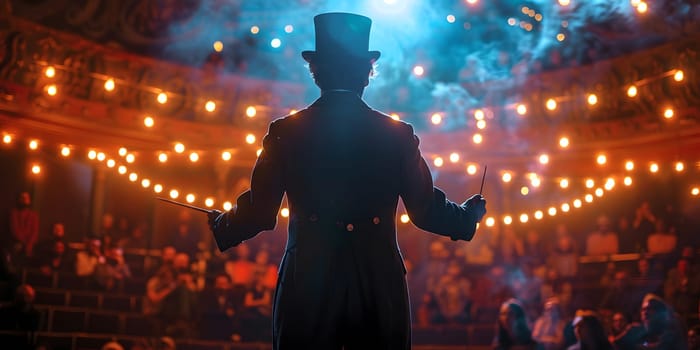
point(376, 220)
point(350, 227)
point(313, 218)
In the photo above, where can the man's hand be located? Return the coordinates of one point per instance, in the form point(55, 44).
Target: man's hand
point(216, 219)
point(476, 204)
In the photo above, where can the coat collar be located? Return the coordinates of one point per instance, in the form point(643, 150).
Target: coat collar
point(339, 96)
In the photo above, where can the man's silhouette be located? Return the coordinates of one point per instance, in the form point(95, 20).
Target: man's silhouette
point(343, 167)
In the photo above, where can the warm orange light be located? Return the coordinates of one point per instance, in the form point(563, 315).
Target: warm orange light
point(629, 165)
point(564, 142)
point(194, 157)
point(122, 151)
point(577, 203)
point(284, 212)
point(589, 183)
point(157, 188)
point(255, 29)
point(695, 191)
point(679, 166)
point(552, 211)
point(111, 163)
point(259, 152)
point(543, 159)
point(551, 104)
point(33, 145)
point(454, 157)
point(36, 169)
point(477, 138)
point(653, 167)
point(51, 90)
point(565, 207)
point(130, 158)
point(101, 156)
point(145, 183)
point(507, 177)
point(524, 218)
point(121, 170)
point(668, 113)
point(227, 206)
point(50, 72)
point(471, 169)
point(481, 124)
point(436, 118)
point(218, 46)
point(592, 99)
point(395, 116)
point(174, 194)
point(539, 215)
point(65, 151)
point(564, 183)
point(251, 111)
point(601, 159)
point(642, 7)
point(209, 202)
point(627, 181)
point(632, 91)
point(521, 109)
point(133, 177)
point(109, 84)
point(162, 98)
point(524, 190)
point(588, 198)
point(609, 184)
point(678, 75)
point(599, 192)
point(250, 139)
point(405, 219)
point(7, 139)
point(226, 155)
point(190, 198)
point(479, 114)
point(163, 157)
point(149, 122)
point(179, 148)
point(490, 221)
point(507, 220)
point(210, 106)
point(438, 161)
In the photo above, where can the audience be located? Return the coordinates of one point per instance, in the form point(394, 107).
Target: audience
point(24, 224)
point(590, 334)
point(513, 332)
point(603, 240)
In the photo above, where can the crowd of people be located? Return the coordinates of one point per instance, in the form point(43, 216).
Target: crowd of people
point(532, 284)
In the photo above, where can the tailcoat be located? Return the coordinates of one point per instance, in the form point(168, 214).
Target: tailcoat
point(343, 167)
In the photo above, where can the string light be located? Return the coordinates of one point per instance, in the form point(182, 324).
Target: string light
point(564, 142)
point(209, 202)
point(226, 155)
point(394, 116)
point(524, 190)
point(551, 104)
point(33, 145)
point(507, 220)
point(589, 183)
point(133, 177)
point(477, 138)
point(479, 114)
point(521, 109)
point(695, 191)
point(179, 147)
point(174, 194)
point(599, 192)
point(490, 221)
point(227, 206)
point(679, 166)
point(65, 151)
point(250, 139)
point(524, 218)
point(122, 151)
point(454, 157)
point(564, 183)
point(678, 75)
point(609, 184)
point(162, 98)
point(629, 165)
point(162, 157)
point(642, 7)
point(601, 159)
point(190, 198)
point(157, 188)
point(565, 207)
point(111, 163)
point(251, 111)
point(539, 214)
point(436, 118)
point(588, 198)
point(592, 99)
point(438, 161)
point(471, 169)
point(632, 91)
point(627, 181)
point(404, 218)
point(255, 29)
point(148, 122)
point(194, 157)
point(101, 156)
point(130, 158)
point(668, 113)
point(145, 183)
point(109, 84)
point(7, 139)
point(210, 106)
point(92, 154)
point(36, 169)
point(507, 177)
point(577, 203)
point(481, 124)
point(418, 70)
point(50, 72)
point(218, 46)
point(121, 170)
point(543, 159)
point(653, 167)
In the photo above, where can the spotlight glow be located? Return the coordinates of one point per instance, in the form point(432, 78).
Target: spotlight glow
point(92, 154)
point(65, 151)
point(642, 7)
point(111, 163)
point(599, 192)
point(255, 29)
point(450, 18)
point(288, 28)
point(668, 113)
point(565, 207)
point(695, 191)
point(101, 156)
point(7, 139)
point(524, 190)
point(395, 116)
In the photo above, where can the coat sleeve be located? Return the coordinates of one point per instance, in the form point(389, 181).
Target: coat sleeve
point(256, 209)
point(427, 206)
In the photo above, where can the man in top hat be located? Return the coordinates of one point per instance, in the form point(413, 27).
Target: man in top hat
point(343, 167)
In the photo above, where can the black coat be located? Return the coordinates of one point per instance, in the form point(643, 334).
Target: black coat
point(343, 167)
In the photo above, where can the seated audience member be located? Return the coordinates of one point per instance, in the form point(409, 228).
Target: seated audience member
point(590, 333)
point(620, 295)
point(661, 241)
point(180, 306)
point(427, 312)
point(564, 257)
point(264, 270)
point(602, 241)
point(54, 260)
point(158, 288)
point(24, 224)
point(694, 338)
point(628, 239)
point(116, 270)
point(681, 289)
point(47, 245)
point(661, 329)
point(257, 309)
point(219, 309)
point(453, 295)
point(618, 324)
point(513, 331)
point(20, 315)
point(89, 259)
point(548, 330)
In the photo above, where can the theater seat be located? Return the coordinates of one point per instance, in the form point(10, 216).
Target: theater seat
point(84, 300)
point(52, 297)
point(67, 321)
point(108, 323)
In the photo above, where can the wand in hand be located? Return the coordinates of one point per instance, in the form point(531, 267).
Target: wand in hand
point(208, 211)
point(483, 177)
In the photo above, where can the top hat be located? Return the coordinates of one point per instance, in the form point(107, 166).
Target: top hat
point(341, 36)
